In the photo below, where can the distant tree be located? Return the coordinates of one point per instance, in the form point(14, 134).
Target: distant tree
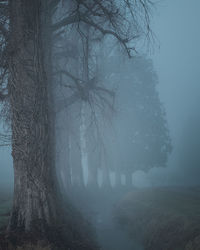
point(144, 136)
point(140, 138)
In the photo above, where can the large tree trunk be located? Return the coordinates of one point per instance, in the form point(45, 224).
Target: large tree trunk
point(34, 184)
point(37, 212)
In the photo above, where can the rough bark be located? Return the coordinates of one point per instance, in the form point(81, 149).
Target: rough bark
point(34, 188)
point(37, 217)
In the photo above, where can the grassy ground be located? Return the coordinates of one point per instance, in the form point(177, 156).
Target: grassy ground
point(5, 205)
point(162, 218)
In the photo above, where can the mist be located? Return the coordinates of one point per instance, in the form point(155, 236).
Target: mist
point(126, 129)
point(177, 64)
point(175, 56)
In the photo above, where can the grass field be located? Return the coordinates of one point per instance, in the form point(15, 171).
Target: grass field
point(162, 218)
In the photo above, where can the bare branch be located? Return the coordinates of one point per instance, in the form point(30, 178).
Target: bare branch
point(122, 40)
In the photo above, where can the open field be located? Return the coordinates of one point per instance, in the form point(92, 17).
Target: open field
point(162, 218)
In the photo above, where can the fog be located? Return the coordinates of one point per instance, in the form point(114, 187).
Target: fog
point(166, 74)
point(176, 57)
point(177, 64)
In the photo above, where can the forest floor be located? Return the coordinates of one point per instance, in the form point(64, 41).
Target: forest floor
point(162, 218)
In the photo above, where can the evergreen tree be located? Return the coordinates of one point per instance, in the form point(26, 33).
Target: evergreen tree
point(143, 131)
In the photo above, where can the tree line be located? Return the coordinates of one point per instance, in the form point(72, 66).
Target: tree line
point(48, 67)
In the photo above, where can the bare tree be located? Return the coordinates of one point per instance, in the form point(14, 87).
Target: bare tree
point(27, 36)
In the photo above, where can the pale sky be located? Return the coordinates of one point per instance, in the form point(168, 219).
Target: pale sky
point(177, 62)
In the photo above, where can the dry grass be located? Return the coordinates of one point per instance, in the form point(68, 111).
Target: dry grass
point(163, 218)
